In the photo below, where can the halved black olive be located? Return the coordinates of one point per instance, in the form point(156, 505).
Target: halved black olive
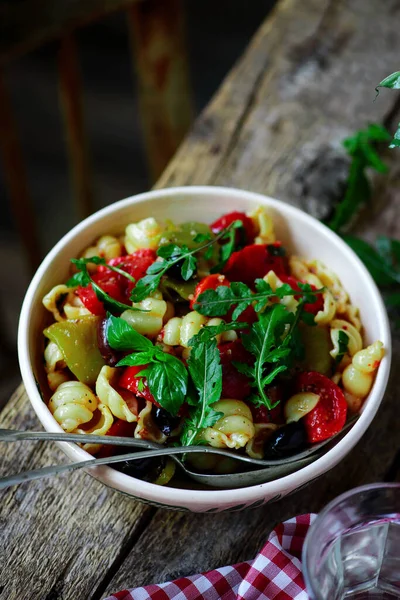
point(286, 441)
point(110, 356)
point(164, 420)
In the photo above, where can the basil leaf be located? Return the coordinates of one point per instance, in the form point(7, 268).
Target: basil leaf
point(136, 359)
point(167, 382)
point(122, 336)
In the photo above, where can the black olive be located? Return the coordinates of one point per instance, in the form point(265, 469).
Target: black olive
point(286, 441)
point(164, 420)
point(147, 469)
point(110, 356)
point(176, 272)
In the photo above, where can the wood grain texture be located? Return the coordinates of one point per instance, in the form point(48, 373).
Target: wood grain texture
point(71, 102)
point(275, 126)
point(159, 56)
point(59, 538)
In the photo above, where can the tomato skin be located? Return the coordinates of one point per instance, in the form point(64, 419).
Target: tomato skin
point(211, 282)
point(118, 428)
point(130, 381)
point(253, 262)
point(136, 264)
point(310, 307)
point(109, 284)
point(224, 221)
point(329, 415)
point(234, 384)
point(261, 414)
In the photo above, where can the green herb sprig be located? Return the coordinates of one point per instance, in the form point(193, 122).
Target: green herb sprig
point(363, 153)
point(274, 342)
point(171, 255)
point(229, 246)
point(167, 376)
point(82, 278)
point(239, 296)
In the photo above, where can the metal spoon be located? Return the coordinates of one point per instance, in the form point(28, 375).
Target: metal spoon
point(272, 468)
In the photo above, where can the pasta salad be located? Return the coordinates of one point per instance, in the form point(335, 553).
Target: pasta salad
point(204, 334)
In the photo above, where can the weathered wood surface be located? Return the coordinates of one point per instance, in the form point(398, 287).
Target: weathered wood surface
point(275, 126)
point(159, 56)
point(71, 101)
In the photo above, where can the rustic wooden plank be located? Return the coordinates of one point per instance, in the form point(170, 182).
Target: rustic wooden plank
point(159, 57)
point(27, 24)
point(71, 101)
point(274, 127)
point(16, 180)
point(59, 538)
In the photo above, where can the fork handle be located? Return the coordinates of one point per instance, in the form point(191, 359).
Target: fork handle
point(10, 435)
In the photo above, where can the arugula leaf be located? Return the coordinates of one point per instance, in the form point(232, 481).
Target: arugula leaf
point(239, 296)
point(229, 247)
point(211, 331)
point(265, 341)
point(82, 278)
point(171, 254)
point(205, 369)
point(360, 148)
point(343, 341)
point(122, 336)
point(275, 342)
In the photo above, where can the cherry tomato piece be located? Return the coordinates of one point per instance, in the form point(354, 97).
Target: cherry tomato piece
point(248, 226)
point(109, 283)
point(136, 264)
point(211, 282)
point(310, 307)
point(261, 414)
point(118, 428)
point(138, 385)
point(329, 415)
point(253, 262)
point(234, 384)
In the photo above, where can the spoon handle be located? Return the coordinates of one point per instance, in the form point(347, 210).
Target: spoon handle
point(9, 435)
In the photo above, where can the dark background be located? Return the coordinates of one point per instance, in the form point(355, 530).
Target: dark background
point(217, 33)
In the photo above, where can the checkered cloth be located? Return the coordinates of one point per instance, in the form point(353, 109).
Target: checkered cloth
point(274, 574)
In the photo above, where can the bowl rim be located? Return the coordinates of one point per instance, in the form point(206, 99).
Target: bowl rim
point(177, 496)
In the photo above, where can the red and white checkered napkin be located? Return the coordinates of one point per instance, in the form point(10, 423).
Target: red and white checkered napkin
point(274, 574)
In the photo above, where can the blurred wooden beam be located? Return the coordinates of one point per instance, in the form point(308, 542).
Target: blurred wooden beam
point(16, 180)
point(160, 60)
point(27, 24)
point(71, 102)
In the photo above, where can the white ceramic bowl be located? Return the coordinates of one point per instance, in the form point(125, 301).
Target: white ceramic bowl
point(300, 233)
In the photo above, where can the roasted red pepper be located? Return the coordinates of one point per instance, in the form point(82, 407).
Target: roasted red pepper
point(329, 415)
point(118, 428)
point(138, 385)
point(248, 226)
point(310, 307)
point(254, 262)
point(211, 282)
point(109, 283)
point(135, 264)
